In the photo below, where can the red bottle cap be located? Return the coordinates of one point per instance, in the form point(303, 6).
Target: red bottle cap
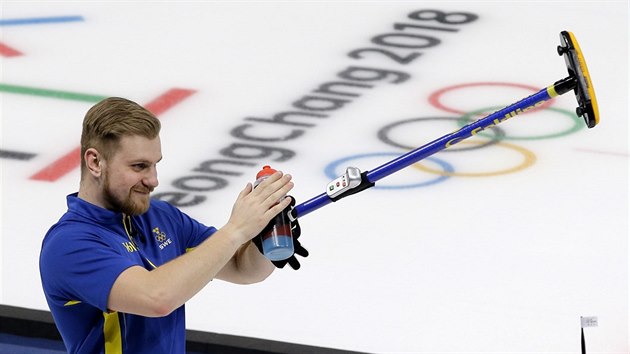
point(266, 171)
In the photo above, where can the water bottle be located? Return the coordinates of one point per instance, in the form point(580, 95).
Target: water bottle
point(277, 242)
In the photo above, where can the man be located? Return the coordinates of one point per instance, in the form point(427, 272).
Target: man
point(118, 266)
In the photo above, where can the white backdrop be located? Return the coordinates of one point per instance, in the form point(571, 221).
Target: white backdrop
point(490, 263)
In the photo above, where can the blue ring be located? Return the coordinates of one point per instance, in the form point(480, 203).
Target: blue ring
point(448, 168)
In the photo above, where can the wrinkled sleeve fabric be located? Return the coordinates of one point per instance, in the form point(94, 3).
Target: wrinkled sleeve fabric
point(77, 265)
point(191, 232)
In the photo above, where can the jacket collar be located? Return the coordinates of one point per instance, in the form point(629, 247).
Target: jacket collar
point(91, 211)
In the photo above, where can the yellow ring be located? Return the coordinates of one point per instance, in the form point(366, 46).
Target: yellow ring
point(529, 159)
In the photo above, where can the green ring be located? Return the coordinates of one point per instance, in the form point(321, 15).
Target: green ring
point(578, 124)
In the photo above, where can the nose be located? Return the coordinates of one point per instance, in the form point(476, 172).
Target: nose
point(151, 179)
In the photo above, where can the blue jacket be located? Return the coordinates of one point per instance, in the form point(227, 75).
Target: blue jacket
point(84, 253)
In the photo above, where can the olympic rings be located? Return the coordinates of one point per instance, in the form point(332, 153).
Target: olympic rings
point(383, 133)
point(445, 169)
point(577, 124)
point(435, 97)
point(528, 160)
point(331, 168)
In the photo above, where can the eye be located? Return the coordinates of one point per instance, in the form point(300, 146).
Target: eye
point(139, 166)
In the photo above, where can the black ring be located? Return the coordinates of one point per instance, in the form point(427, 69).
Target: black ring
point(383, 134)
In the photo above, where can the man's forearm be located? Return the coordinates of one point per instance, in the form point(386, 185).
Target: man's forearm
point(188, 274)
point(214, 258)
point(158, 292)
point(247, 266)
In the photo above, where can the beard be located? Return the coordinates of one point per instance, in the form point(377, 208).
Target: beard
point(130, 204)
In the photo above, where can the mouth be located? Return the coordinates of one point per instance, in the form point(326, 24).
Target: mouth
point(143, 191)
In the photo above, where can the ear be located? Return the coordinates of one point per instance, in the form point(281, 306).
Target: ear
point(94, 162)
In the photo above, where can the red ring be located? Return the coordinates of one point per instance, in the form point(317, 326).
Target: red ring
point(434, 98)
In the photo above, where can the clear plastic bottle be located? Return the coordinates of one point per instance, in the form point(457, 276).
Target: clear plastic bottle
point(277, 242)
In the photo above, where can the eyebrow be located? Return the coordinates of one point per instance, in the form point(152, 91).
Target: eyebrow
point(143, 160)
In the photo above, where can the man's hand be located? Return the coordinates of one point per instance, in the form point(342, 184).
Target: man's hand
point(255, 207)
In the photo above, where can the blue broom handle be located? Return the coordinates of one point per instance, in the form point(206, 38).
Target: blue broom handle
point(413, 156)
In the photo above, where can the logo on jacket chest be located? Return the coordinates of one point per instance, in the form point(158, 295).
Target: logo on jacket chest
point(161, 238)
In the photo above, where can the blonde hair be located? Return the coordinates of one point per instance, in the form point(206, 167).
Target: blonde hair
point(111, 119)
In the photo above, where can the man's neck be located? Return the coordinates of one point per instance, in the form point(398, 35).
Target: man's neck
point(91, 194)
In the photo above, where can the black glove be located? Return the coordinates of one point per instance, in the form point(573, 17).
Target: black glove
point(295, 232)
